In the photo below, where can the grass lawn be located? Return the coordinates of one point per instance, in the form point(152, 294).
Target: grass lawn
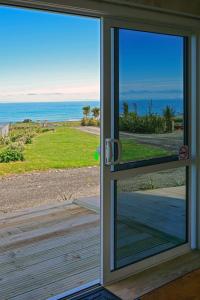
point(67, 147)
point(132, 150)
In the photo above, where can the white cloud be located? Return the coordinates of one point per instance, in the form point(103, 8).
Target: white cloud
point(49, 93)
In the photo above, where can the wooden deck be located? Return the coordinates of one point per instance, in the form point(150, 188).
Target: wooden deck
point(49, 251)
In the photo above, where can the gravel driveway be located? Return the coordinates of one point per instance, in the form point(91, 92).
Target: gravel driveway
point(41, 188)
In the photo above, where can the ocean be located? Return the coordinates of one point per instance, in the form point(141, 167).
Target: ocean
point(72, 110)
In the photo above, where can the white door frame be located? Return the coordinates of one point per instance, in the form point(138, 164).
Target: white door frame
point(142, 18)
point(108, 274)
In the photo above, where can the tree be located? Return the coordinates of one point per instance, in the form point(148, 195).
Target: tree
point(168, 114)
point(86, 111)
point(96, 111)
point(125, 109)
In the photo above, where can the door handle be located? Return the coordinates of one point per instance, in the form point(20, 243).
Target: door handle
point(110, 159)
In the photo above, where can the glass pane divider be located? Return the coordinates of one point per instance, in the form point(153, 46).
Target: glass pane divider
point(147, 169)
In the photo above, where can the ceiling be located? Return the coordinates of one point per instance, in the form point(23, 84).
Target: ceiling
point(191, 7)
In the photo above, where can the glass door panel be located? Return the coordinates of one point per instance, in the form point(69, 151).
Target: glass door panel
point(146, 156)
point(149, 97)
point(151, 215)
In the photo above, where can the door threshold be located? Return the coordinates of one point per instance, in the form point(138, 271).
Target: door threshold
point(144, 282)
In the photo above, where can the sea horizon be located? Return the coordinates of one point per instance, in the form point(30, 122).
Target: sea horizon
point(58, 111)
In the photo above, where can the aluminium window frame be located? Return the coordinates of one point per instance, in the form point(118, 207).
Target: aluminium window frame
point(110, 274)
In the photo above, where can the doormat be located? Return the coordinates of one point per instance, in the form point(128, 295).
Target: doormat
point(97, 294)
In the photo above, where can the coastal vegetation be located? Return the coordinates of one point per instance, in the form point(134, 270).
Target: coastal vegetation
point(90, 116)
point(149, 123)
point(20, 134)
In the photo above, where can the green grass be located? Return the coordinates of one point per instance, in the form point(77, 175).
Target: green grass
point(63, 148)
point(132, 150)
point(67, 147)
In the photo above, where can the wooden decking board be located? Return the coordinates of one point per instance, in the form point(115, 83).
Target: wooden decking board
point(49, 245)
point(58, 287)
point(34, 283)
point(31, 250)
point(28, 261)
point(47, 270)
point(68, 221)
point(20, 243)
point(49, 252)
point(45, 273)
point(11, 259)
point(33, 217)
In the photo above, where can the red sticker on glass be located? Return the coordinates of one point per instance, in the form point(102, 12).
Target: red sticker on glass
point(183, 152)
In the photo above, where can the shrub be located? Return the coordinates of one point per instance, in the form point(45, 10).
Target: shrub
point(84, 122)
point(27, 121)
point(92, 122)
point(142, 124)
point(14, 136)
point(9, 154)
point(26, 139)
point(4, 140)
point(17, 146)
point(47, 129)
point(178, 119)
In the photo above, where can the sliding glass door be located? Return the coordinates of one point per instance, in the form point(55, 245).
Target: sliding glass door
point(146, 164)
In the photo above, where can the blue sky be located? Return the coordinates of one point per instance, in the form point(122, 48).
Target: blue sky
point(47, 56)
point(55, 57)
point(151, 65)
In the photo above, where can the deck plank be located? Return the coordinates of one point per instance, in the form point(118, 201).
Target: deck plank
point(38, 252)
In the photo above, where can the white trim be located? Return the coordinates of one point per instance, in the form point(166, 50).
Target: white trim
point(143, 265)
point(105, 133)
point(119, 175)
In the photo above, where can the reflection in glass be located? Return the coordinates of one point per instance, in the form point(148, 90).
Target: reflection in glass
point(151, 96)
point(150, 215)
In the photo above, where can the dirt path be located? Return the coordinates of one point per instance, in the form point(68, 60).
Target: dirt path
point(41, 188)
